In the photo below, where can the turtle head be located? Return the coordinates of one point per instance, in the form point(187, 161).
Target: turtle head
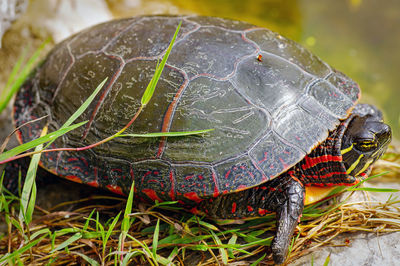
point(365, 139)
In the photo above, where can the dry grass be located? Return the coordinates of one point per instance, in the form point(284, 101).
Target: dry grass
point(183, 239)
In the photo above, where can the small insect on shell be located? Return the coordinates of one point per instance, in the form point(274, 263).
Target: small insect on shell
point(259, 58)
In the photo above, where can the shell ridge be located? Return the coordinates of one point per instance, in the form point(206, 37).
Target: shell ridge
point(103, 96)
point(170, 112)
point(66, 71)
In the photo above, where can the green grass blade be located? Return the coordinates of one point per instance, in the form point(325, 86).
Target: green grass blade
point(167, 134)
point(126, 221)
point(128, 209)
point(372, 189)
point(222, 251)
point(232, 241)
point(15, 70)
point(208, 225)
point(16, 80)
point(153, 83)
point(326, 262)
point(85, 105)
point(67, 242)
point(129, 255)
point(31, 203)
point(41, 232)
point(81, 109)
point(110, 229)
point(21, 250)
point(32, 144)
point(258, 260)
point(28, 196)
point(88, 219)
point(172, 255)
point(155, 238)
point(86, 258)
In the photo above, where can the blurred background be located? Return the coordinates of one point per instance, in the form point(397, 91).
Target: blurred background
point(358, 37)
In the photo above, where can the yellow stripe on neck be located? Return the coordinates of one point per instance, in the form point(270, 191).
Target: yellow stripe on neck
point(354, 165)
point(347, 149)
point(365, 167)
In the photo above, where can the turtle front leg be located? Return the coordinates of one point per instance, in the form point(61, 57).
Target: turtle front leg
point(283, 195)
point(289, 207)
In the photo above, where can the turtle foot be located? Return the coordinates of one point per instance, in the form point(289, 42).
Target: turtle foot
point(288, 215)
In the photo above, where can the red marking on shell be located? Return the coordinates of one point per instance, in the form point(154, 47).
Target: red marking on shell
point(84, 161)
point(95, 172)
point(193, 197)
point(194, 210)
point(311, 162)
point(131, 172)
point(147, 173)
point(264, 158)
point(227, 174)
point(216, 191)
point(285, 165)
point(172, 180)
point(169, 115)
point(262, 212)
point(73, 178)
point(242, 187)
point(233, 207)
point(19, 136)
point(77, 168)
point(115, 189)
point(151, 194)
point(189, 177)
point(250, 209)
point(93, 183)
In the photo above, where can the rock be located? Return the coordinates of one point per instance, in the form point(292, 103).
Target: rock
point(363, 248)
point(64, 18)
point(9, 12)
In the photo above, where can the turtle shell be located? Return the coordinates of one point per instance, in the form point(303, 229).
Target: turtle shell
point(268, 99)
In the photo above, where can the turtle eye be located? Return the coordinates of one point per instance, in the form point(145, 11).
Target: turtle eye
point(366, 145)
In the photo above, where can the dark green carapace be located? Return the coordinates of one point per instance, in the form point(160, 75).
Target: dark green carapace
point(280, 116)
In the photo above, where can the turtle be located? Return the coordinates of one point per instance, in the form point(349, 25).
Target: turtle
point(287, 127)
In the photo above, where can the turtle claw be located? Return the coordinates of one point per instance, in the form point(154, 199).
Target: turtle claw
point(288, 215)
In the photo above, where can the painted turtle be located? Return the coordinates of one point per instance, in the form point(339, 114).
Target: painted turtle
point(284, 120)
